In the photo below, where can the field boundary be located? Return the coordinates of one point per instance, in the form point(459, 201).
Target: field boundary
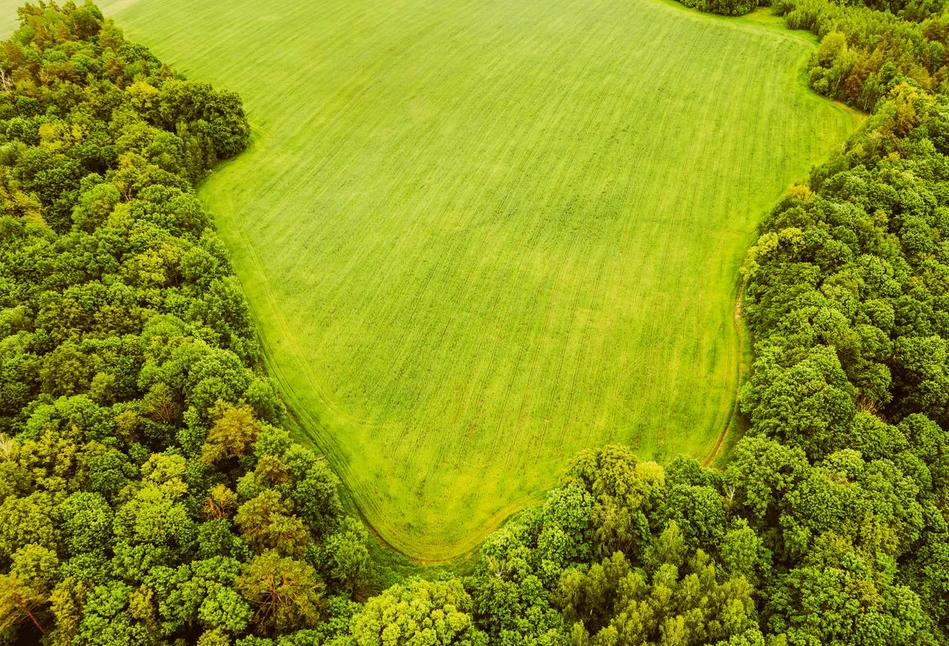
point(543, 382)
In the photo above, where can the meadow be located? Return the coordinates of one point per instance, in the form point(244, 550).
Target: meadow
point(478, 237)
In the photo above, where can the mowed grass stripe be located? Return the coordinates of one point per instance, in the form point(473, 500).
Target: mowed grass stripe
point(480, 236)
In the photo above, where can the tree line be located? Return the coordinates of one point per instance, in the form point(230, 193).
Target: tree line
point(149, 494)
point(867, 47)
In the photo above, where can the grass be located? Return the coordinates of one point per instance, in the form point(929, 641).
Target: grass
point(481, 235)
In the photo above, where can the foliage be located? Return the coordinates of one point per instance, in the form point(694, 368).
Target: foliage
point(149, 495)
point(418, 613)
point(146, 495)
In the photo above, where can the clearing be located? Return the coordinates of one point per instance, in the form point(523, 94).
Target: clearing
point(479, 236)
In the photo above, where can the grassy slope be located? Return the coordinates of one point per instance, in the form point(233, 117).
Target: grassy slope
point(479, 236)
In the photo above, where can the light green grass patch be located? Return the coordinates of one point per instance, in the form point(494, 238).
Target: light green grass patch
point(479, 236)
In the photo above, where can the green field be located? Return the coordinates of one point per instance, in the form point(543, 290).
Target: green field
point(479, 236)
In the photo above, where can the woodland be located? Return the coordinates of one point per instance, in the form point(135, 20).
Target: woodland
point(152, 494)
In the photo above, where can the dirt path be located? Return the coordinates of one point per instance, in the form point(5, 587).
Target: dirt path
point(739, 328)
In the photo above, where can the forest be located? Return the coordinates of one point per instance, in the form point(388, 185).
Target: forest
point(152, 495)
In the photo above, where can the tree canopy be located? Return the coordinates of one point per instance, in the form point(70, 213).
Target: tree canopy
point(151, 494)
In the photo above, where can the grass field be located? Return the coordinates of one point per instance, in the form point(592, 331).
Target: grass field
point(479, 236)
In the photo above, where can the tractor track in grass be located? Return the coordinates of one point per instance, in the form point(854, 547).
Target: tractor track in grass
point(741, 333)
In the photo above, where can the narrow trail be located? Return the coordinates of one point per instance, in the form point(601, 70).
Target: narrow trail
point(739, 328)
